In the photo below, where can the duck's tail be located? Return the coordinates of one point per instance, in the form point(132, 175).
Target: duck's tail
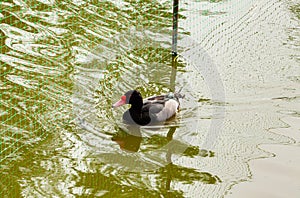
point(178, 94)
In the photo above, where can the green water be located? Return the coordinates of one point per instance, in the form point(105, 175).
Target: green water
point(63, 64)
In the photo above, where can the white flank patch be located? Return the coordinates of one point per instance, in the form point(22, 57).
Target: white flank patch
point(168, 111)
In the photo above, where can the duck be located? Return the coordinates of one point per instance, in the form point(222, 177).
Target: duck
point(150, 110)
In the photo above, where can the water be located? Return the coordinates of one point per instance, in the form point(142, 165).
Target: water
point(63, 63)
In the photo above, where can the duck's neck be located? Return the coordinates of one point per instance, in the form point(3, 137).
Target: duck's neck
point(136, 107)
point(136, 113)
point(136, 104)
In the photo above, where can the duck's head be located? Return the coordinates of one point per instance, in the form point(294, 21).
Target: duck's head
point(132, 97)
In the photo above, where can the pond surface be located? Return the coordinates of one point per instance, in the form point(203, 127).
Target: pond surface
point(64, 63)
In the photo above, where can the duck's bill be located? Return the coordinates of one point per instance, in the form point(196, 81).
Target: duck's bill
point(119, 103)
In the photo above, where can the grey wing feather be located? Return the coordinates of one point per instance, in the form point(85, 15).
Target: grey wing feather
point(153, 108)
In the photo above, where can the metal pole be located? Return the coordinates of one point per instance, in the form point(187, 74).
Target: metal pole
point(175, 27)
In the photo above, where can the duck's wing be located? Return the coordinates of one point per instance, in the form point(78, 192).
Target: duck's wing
point(153, 107)
point(161, 110)
point(164, 98)
point(154, 99)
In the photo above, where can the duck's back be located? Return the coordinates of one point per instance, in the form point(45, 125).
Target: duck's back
point(162, 107)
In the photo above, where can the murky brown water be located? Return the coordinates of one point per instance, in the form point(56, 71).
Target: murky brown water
point(63, 63)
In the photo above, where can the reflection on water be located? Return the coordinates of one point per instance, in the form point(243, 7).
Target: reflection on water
point(63, 63)
point(131, 140)
point(128, 141)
